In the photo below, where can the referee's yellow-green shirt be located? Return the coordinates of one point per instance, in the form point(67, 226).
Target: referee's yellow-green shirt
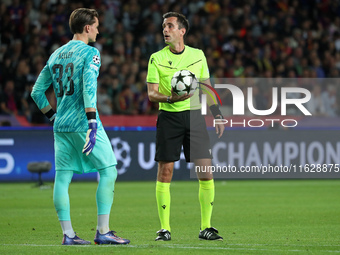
point(162, 66)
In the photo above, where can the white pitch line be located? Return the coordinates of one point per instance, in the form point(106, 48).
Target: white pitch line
point(296, 245)
point(246, 249)
point(174, 246)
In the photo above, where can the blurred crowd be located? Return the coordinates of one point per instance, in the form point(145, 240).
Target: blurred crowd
point(240, 38)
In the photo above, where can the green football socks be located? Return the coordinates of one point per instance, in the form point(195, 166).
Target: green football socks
point(105, 190)
point(206, 196)
point(104, 197)
point(61, 198)
point(163, 204)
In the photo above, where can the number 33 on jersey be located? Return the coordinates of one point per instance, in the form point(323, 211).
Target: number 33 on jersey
point(73, 70)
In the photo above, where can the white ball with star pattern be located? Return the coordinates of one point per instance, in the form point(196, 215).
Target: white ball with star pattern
point(183, 82)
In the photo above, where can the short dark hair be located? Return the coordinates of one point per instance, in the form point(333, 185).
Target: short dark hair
point(80, 18)
point(181, 20)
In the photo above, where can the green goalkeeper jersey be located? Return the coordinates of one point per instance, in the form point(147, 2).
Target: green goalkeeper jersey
point(162, 66)
point(73, 70)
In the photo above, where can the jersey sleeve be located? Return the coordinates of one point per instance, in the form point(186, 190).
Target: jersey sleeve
point(204, 75)
point(41, 85)
point(153, 75)
point(90, 75)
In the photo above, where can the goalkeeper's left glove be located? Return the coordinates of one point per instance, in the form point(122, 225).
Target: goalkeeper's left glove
point(91, 133)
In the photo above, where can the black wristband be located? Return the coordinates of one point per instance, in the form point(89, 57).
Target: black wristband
point(91, 115)
point(169, 100)
point(215, 110)
point(50, 113)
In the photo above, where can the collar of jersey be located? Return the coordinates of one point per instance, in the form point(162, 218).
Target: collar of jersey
point(77, 41)
point(178, 53)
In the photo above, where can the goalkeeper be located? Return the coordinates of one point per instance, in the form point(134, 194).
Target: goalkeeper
point(180, 123)
point(81, 144)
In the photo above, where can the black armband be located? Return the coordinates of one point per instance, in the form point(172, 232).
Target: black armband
point(50, 114)
point(215, 110)
point(92, 120)
point(91, 115)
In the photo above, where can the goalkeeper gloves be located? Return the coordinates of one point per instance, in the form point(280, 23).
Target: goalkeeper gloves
point(91, 133)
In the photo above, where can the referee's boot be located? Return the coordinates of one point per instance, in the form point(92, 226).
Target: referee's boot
point(209, 234)
point(163, 235)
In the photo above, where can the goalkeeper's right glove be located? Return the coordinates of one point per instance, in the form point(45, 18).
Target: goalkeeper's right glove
point(91, 134)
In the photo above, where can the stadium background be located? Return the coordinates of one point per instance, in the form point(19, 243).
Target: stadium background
point(241, 39)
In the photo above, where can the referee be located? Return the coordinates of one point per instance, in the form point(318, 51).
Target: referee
point(180, 123)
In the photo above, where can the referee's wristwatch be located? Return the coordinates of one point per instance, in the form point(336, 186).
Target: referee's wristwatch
point(169, 100)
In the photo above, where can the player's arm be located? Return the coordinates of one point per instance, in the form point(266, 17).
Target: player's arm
point(211, 98)
point(155, 96)
point(90, 74)
point(153, 84)
point(38, 93)
point(214, 108)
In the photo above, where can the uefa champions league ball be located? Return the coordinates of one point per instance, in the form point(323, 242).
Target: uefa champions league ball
point(183, 82)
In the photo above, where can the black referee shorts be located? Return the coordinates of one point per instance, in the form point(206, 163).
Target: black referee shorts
point(177, 129)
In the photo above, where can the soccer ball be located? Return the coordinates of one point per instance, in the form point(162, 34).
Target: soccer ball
point(183, 82)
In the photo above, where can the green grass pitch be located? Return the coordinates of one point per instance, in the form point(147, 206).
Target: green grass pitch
point(253, 216)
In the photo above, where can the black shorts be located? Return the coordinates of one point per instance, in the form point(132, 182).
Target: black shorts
point(177, 129)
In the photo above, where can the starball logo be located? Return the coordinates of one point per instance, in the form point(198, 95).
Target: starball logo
point(239, 105)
